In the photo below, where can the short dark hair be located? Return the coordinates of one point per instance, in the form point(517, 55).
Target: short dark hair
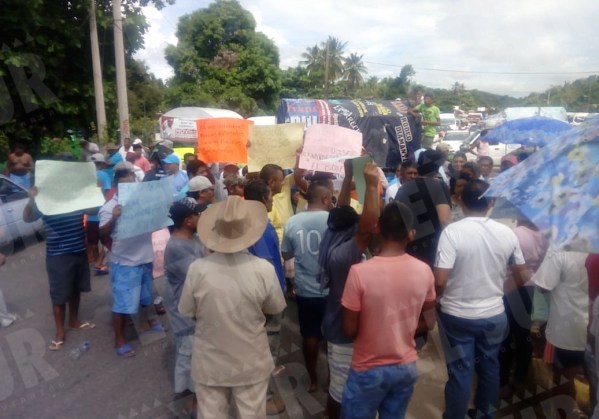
point(472, 195)
point(453, 180)
point(316, 191)
point(472, 166)
point(256, 190)
point(137, 146)
point(269, 171)
point(396, 221)
point(403, 166)
point(488, 159)
point(459, 154)
point(192, 168)
point(20, 146)
point(122, 173)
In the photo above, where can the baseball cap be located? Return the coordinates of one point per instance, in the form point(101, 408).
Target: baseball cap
point(97, 158)
point(199, 183)
point(137, 141)
point(180, 210)
point(171, 159)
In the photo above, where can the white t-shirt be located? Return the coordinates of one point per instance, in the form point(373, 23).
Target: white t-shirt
point(478, 251)
point(565, 275)
point(392, 191)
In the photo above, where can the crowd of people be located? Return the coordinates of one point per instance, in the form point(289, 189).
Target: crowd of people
point(370, 276)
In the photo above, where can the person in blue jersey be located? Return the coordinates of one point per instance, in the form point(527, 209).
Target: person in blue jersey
point(66, 265)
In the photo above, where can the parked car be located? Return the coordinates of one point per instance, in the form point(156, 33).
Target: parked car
point(462, 140)
point(14, 232)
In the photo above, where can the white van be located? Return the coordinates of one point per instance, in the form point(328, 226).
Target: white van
point(448, 121)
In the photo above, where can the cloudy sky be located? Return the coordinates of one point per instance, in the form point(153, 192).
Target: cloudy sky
point(511, 47)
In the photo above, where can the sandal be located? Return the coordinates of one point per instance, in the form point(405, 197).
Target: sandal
point(84, 326)
point(101, 270)
point(125, 351)
point(56, 345)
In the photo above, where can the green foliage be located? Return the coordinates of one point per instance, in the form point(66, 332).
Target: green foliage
point(52, 147)
point(222, 61)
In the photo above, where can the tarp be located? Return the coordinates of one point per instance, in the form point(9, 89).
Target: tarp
point(386, 130)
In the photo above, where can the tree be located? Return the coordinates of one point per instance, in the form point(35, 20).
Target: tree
point(353, 70)
point(221, 60)
point(46, 84)
point(313, 60)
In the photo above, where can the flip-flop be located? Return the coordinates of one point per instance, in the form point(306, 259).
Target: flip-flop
point(125, 351)
point(156, 327)
point(84, 326)
point(56, 345)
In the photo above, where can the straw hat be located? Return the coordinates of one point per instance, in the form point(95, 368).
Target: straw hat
point(232, 225)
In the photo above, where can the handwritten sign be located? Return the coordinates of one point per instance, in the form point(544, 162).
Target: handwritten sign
point(145, 207)
point(223, 140)
point(274, 144)
point(324, 142)
point(65, 187)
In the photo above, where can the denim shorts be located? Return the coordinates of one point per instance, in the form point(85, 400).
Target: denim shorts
point(131, 287)
point(385, 390)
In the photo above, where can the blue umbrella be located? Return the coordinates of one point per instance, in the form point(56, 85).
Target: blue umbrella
point(557, 188)
point(531, 131)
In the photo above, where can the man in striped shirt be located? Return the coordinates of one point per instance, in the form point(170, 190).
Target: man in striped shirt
point(66, 264)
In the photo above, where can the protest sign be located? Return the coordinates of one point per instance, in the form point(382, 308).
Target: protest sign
point(223, 140)
point(182, 151)
point(177, 129)
point(358, 170)
point(145, 207)
point(275, 144)
point(332, 143)
point(65, 187)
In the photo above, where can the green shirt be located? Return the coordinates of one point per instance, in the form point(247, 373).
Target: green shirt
point(431, 114)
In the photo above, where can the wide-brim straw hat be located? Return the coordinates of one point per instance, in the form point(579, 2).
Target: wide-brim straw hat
point(232, 225)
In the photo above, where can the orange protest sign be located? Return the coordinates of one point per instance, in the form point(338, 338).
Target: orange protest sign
point(223, 140)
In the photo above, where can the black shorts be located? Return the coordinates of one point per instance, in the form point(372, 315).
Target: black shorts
point(92, 230)
point(68, 274)
point(564, 358)
point(310, 313)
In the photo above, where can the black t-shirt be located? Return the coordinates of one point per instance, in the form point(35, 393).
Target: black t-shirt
point(422, 195)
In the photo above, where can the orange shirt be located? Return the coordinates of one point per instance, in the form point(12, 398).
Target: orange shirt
point(389, 293)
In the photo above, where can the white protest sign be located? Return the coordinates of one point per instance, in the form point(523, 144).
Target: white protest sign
point(324, 143)
point(65, 187)
point(145, 207)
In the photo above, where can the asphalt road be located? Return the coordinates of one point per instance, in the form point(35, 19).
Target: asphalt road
point(38, 383)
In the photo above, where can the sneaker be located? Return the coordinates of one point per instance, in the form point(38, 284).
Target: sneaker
point(8, 321)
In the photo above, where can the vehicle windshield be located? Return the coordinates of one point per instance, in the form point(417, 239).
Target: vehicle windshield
point(456, 135)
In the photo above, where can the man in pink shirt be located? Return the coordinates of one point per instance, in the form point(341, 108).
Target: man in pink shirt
point(140, 160)
point(385, 300)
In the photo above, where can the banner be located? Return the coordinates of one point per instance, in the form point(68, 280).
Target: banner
point(326, 146)
point(275, 144)
point(223, 140)
point(145, 207)
point(172, 128)
point(65, 187)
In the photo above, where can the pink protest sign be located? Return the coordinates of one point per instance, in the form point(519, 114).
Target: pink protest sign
point(326, 146)
point(159, 240)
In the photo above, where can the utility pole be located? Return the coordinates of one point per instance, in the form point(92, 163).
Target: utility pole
point(326, 71)
point(97, 73)
point(121, 75)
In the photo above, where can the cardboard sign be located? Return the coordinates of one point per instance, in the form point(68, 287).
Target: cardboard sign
point(326, 146)
point(275, 144)
point(223, 140)
point(65, 187)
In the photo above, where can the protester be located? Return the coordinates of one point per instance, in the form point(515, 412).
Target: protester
point(280, 186)
point(383, 308)
point(202, 190)
point(130, 268)
point(564, 275)
point(301, 239)
point(89, 149)
point(182, 249)
point(231, 360)
point(66, 265)
point(139, 173)
point(19, 166)
point(457, 163)
point(235, 185)
point(114, 158)
point(485, 164)
point(180, 179)
point(127, 147)
point(343, 244)
point(431, 118)
point(140, 160)
point(92, 225)
point(456, 187)
point(470, 270)
point(267, 247)
point(404, 172)
point(414, 116)
point(6, 318)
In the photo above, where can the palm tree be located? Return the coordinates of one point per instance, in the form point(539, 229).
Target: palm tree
point(353, 70)
point(333, 47)
point(313, 60)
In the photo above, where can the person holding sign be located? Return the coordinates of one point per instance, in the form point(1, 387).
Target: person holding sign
point(130, 268)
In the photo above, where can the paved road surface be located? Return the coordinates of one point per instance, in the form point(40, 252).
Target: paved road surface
point(38, 383)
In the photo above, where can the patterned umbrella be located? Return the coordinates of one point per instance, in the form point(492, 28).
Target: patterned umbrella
point(557, 188)
point(531, 131)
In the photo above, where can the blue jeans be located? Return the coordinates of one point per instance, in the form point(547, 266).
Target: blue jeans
point(471, 345)
point(386, 390)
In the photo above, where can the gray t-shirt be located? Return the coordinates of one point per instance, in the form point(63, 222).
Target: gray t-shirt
point(340, 261)
point(178, 255)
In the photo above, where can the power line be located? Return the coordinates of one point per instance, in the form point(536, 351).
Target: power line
point(444, 70)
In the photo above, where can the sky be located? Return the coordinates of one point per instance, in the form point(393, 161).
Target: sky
point(508, 47)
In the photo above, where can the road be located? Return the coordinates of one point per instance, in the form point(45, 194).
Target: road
point(38, 383)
